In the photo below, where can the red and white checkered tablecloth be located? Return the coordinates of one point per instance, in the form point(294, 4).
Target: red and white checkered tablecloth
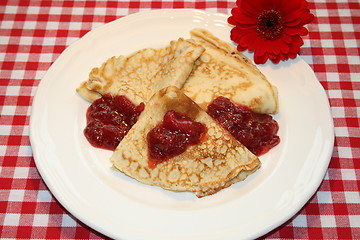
point(34, 33)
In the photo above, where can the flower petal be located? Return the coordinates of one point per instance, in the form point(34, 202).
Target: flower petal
point(291, 31)
point(235, 34)
point(246, 26)
point(285, 49)
point(240, 48)
point(252, 7)
point(297, 40)
point(260, 59)
point(248, 38)
point(253, 45)
point(280, 46)
point(275, 58)
point(261, 49)
point(293, 16)
point(246, 19)
point(286, 38)
point(239, 17)
point(303, 31)
point(289, 6)
point(307, 17)
point(292, 54)
point(231, 20)
point(294, 22)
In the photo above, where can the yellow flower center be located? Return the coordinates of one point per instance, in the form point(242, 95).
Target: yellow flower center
point(270, 24)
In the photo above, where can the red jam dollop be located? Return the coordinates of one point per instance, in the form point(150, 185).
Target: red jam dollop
point(109, 119)
point(173, 136)
point(255, 131)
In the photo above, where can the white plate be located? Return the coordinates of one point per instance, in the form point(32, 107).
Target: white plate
point(80, 176)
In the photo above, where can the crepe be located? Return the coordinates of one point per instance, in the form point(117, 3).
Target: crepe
point(142, 74)
point(204, 169)
point(223, 71)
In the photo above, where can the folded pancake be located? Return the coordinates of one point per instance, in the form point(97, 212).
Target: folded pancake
point(218, 161)
point(142, 74)
point(223, 71)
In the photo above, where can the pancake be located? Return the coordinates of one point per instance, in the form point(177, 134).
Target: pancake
point(215, 163)
point(223, 71)
point(143, 73)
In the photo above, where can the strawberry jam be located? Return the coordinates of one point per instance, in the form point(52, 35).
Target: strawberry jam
point(173, 136)
point(255, 131)
point(109, 119)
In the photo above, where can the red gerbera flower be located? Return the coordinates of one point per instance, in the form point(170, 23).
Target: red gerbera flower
point(270, 28)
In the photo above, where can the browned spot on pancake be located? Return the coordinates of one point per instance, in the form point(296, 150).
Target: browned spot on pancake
point(244, 86)
point(256, 102)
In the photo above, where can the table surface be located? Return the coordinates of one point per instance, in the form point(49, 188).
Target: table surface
point(32, 36)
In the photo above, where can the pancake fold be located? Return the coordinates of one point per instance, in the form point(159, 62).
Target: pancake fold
point(204, 169)
point(223, 71)
point(143, 73)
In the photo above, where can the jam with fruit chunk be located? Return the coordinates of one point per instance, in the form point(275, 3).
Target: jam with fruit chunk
point(109, 119)
point(173, 136)
point(255, 131)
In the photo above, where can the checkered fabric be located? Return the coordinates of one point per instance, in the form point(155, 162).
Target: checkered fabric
point(34, 33)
